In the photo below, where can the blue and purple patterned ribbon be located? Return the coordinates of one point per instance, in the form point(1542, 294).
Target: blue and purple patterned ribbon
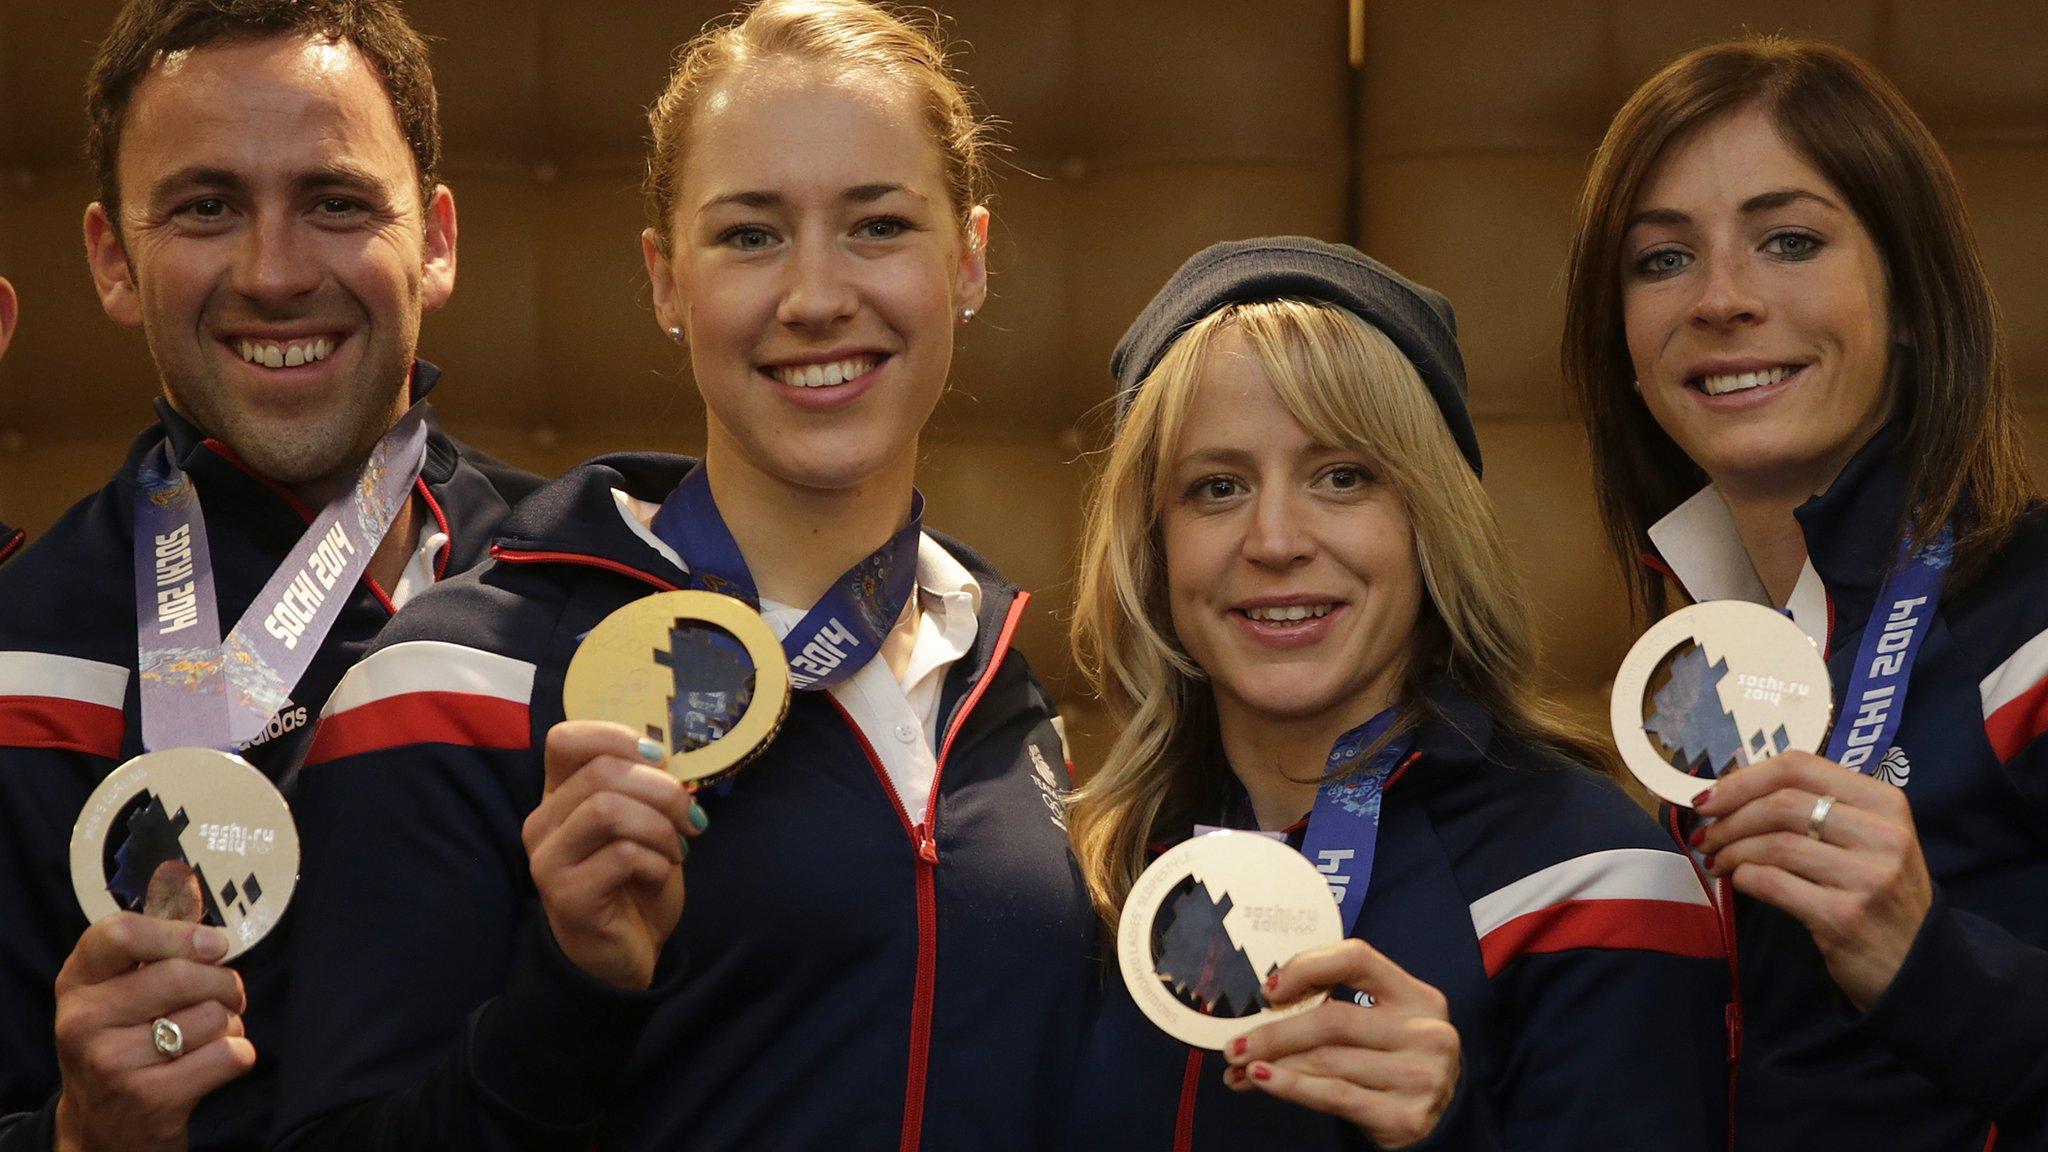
point(844, 629)
point(1876, 699)
point(1344, 828)
point(200, 691)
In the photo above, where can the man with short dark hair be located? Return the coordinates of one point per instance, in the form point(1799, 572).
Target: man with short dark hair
point(270, 217)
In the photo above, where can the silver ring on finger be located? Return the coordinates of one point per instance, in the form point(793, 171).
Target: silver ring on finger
point(167, 1038)
point(1817, 820)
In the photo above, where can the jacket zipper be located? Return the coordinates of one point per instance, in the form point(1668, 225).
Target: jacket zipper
point(923, 837)
point(925, 840)
point(1731, 1013)
point(1190, 1091)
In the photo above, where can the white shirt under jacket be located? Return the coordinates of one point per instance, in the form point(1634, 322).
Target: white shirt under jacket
point(1697, 540)
point(898, 717)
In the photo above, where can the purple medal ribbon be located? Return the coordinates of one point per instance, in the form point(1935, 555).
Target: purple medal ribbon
point(199, 691)
point(844, 629)
point(1344, 828)
point(1899, 622)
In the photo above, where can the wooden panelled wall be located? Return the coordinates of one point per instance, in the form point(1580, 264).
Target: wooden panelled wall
point(1138, 131)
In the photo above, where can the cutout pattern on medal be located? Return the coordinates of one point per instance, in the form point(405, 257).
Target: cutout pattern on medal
point(1209, 921)
point(1713, 687)
point(188, 834)
point(699, 673)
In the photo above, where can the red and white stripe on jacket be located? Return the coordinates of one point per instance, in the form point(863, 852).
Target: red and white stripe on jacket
point(63, 702)
point(2016, 699)
point(427, 692)
point(1639, 898)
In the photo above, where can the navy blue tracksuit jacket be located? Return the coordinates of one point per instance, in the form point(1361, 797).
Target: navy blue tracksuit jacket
point(846, 974)
point(69, 715)
point(1576, 945)
point(1954, 1056)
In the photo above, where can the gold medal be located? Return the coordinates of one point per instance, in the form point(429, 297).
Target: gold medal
point(1209, 921)
point(188, 834)
point(698, 673)
point(1712, 687)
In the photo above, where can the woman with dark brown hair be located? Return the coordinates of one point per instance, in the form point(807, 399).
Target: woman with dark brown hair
point(1783, 344)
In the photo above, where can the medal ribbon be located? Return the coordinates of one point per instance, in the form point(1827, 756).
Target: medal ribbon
point(1899, 622)
point(844, 629)
point(200, 691)
point(1344, 828)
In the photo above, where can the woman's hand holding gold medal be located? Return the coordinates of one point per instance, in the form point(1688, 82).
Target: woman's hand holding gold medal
point(606, 848)
point(1390, 1069)
point(1832, 847)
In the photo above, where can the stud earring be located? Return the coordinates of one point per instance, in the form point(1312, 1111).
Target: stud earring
point(966, 314)
point(675, 333)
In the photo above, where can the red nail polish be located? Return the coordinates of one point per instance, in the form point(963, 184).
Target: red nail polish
point(1709, 862)
point(1262, 1072)
point(1273, 982)
point(1238, 1046)
point(1703, 797)
point(1698, 835)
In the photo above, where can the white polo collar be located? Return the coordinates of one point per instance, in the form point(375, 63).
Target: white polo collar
point(1697, 540)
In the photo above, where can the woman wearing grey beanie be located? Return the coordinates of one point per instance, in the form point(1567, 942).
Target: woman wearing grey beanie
point(1295, 598)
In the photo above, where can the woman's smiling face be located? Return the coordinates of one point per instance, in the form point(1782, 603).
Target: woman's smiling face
point(816, 268)
point(1291, 567)
point(1757, 310)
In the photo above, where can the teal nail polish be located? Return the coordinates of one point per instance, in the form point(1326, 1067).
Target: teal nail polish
point(699, 819)
point(685, 842)
point(651, 752)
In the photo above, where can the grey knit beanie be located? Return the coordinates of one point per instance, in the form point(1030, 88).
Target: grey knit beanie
point(1418, 320)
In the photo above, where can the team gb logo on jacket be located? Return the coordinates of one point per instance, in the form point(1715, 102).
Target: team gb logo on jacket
point(1895, 768)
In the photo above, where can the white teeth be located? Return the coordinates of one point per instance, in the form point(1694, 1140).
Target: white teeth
point(284, 356)
point(1728, 382)
point(824, 375)
point(1289, 614)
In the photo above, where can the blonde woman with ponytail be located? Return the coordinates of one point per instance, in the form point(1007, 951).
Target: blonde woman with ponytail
point(1292, 581)
point(873, 936)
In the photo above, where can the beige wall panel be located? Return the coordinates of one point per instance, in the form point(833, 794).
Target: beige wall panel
point(603, 360)
point(1975, 68)
point(1013, 368)
point(487, 71)
point(1021, 60)
point(547, 453)
point(1647, 36)
point(42, 477)
point(44, 52)
point(1018, 503)
point(487, 336)
point(70, 366)
point(1489, 231)
point(601, 65)
point(1541, 482)
point(1134, 225)
point(2004, 188)
point(1169, 80)
point(1484, 74)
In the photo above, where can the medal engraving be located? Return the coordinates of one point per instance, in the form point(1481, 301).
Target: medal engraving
point(1713, 687)
point(698, 673)
point(188, 834)
point(1209, 921)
